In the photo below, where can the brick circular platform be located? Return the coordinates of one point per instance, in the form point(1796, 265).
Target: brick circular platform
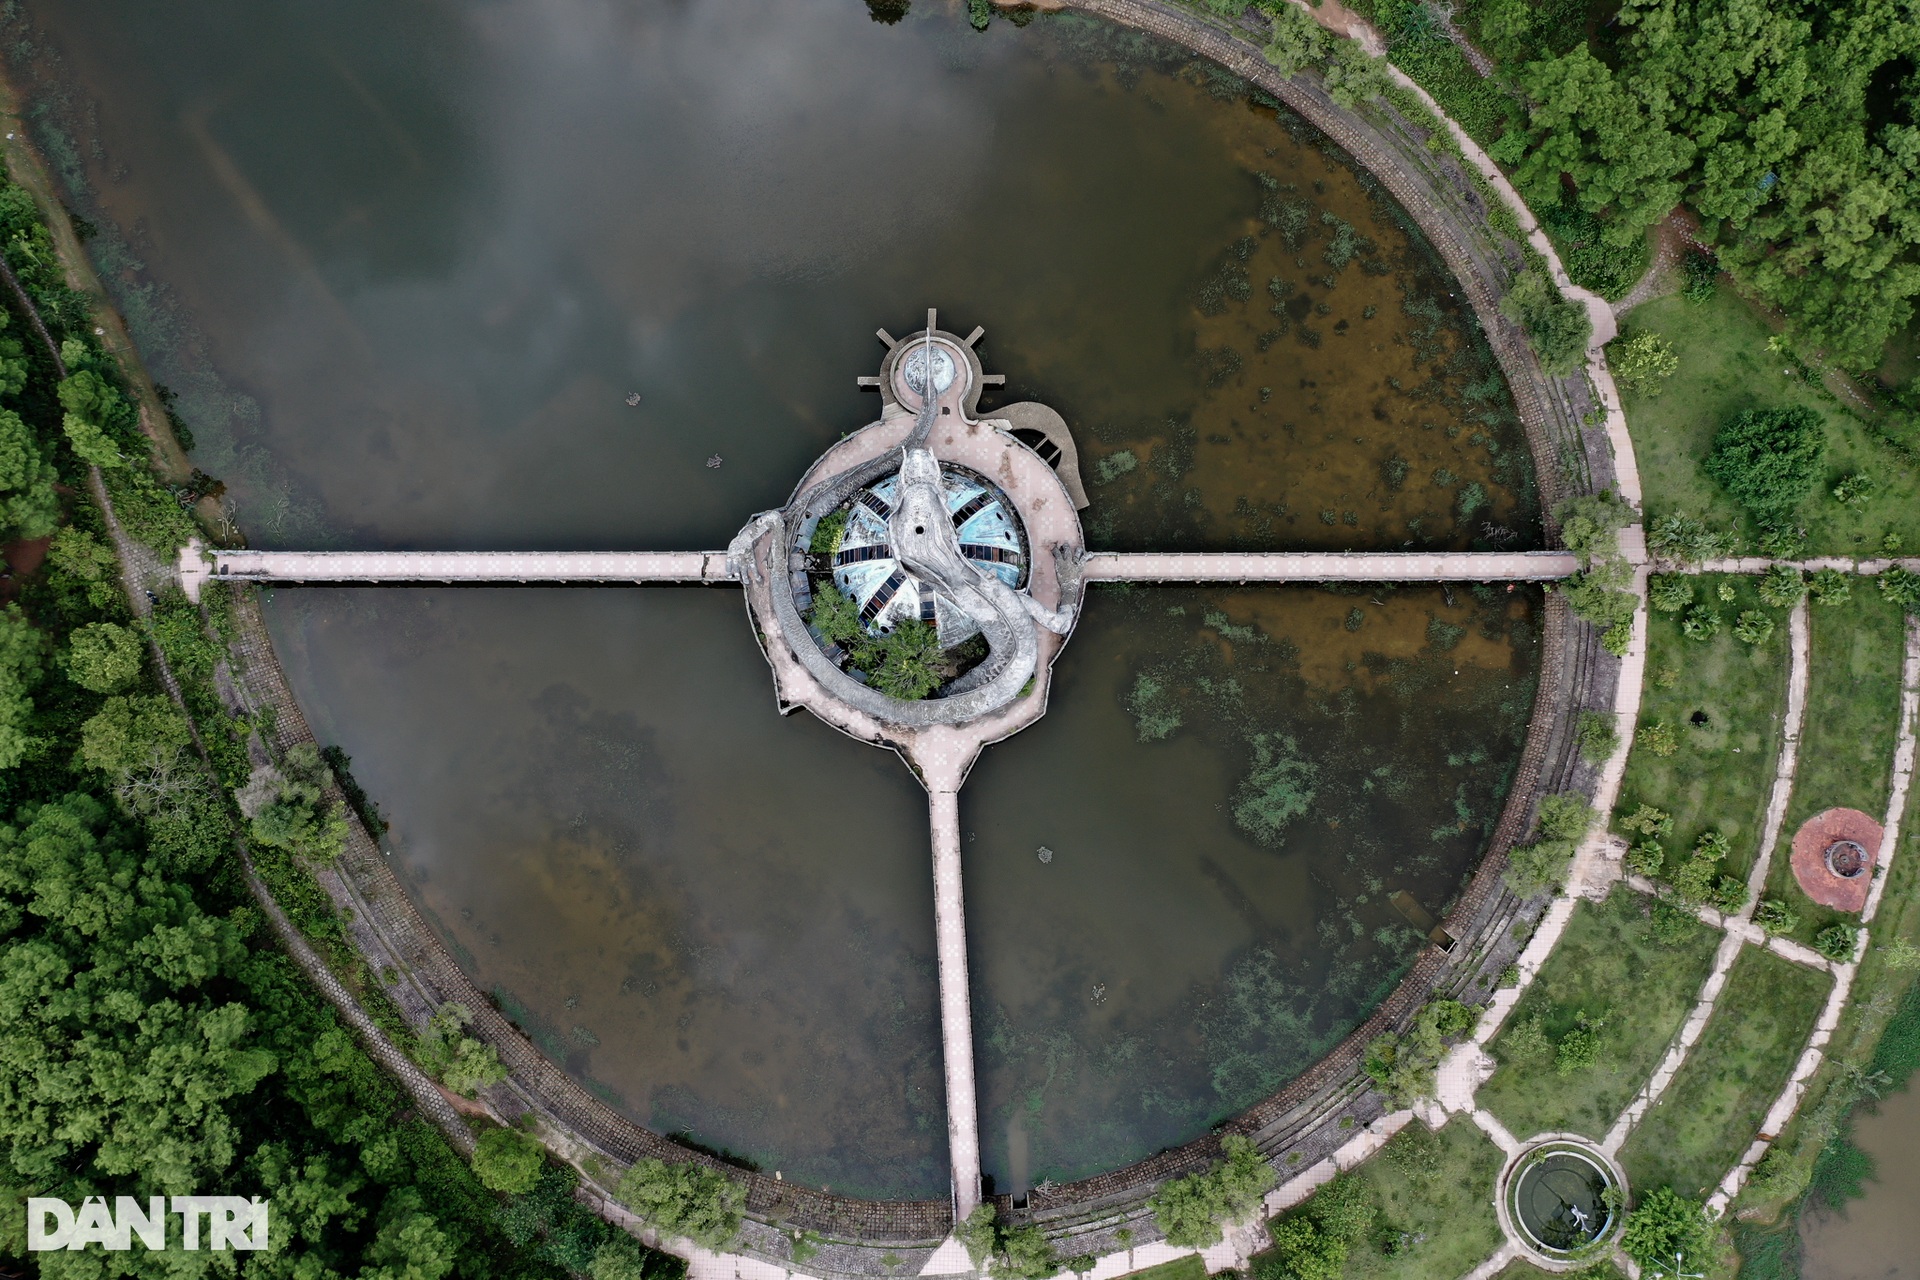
point(1810, 845)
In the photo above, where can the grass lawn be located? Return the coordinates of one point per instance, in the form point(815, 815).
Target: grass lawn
point(1433, 1200)
point(1608, 965)
point(1187, 1268)
point(1725, 367)
point(1721, 774)
point(1853, 722)
point(1711, 1113)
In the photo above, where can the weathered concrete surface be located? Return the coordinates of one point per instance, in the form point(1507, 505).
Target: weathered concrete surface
point(1329, 566)
point(456, 566)
point(956, 1012)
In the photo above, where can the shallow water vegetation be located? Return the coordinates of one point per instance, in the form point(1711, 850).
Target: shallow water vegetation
point(1616, 964)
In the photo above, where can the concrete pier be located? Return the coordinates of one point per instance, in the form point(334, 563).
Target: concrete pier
point(455, 566)
point(956, 1011)
point(1329, 566)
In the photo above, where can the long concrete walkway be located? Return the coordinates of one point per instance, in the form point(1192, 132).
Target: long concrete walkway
point(455, 566)
point(1329, 566)
point(956, 1011)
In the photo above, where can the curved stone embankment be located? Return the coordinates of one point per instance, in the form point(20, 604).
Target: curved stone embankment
point(1297, 1127)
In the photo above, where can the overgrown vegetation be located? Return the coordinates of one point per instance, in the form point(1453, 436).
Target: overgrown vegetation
point(1590, 528)
point(1417, 1210)
point(686, 1199)
point(1616, 988)
point(907, 662)
point(1191, 1210)
point(1402, 1066)
point(1709, 1114)
point(1709, 735)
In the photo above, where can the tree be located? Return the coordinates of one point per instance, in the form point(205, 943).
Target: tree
point(1666, 1226)
point(290, 808)
point(1190, 1210)
point(28, 504)
point(621, 1259)
point(1557, 329)
point(90, 443)
point(1598, 736)
point(508, 1160)
point(1781, 586)
point(901, 663)
point(409, 1244)
point(1830, 586)
point(976, 1234)
point(1301, 1251)
point(104, 657)
point(688, 1200)
point(1669, 592)
point(1298, 43)
point(1769, 459)
point(133, 732)
point(835, 616)
point(1642, 363)
point(1902, 586)
point(20, 667)
point(1403, 1066)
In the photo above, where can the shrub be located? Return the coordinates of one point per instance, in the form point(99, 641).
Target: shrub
point(1658, 738)
point(1537, 866)
point(1769, 459)
point(1301, 1251)
point(1189, 1210)
point(1836, 941)
point(1682, 537)
point(1775, 916)
point(977, 1234)
point(1527, 1041)
point(1701, 623)
point(1666, 1226)
point(1597, 735)
point(1565, 816)
point(1701, 271)
point(1902, 586)
point(1753, 627)
point(508, 1160)
point(1557, 329)
point(1579, 1048)
point(690, 1200)
point(1782, 539)
point(1781, 586)
point(1669, 592)
point(1856, 490)
point(1403, 1065)
point(827, 534)
point(1830, 586)
point(1655, 824)
point(1641, 363)
point(1647, 858)
point(1697, 880)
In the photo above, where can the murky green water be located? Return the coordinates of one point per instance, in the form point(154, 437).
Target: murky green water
point(403, 266)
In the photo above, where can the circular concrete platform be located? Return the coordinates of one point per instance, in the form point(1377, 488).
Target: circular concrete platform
point(1834, 854)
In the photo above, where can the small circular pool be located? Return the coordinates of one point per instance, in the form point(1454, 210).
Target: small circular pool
point(1558, 1199)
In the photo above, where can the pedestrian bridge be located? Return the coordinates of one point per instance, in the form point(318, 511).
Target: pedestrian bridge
point(616, 567)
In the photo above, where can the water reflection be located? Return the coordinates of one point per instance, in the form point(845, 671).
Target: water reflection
point(1231, 784)
point(403, 270)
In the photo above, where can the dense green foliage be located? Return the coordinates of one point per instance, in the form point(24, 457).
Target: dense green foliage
point(1768, 460)
point(1403, 1066)
point(1666, 1227)
point(1557, 328)
point(1191, 1210)
point(1642, 363)
point(687, 1199)
point(1789, 127)
point(1299, 43)
point(906, 662)
point(1008, 1252)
